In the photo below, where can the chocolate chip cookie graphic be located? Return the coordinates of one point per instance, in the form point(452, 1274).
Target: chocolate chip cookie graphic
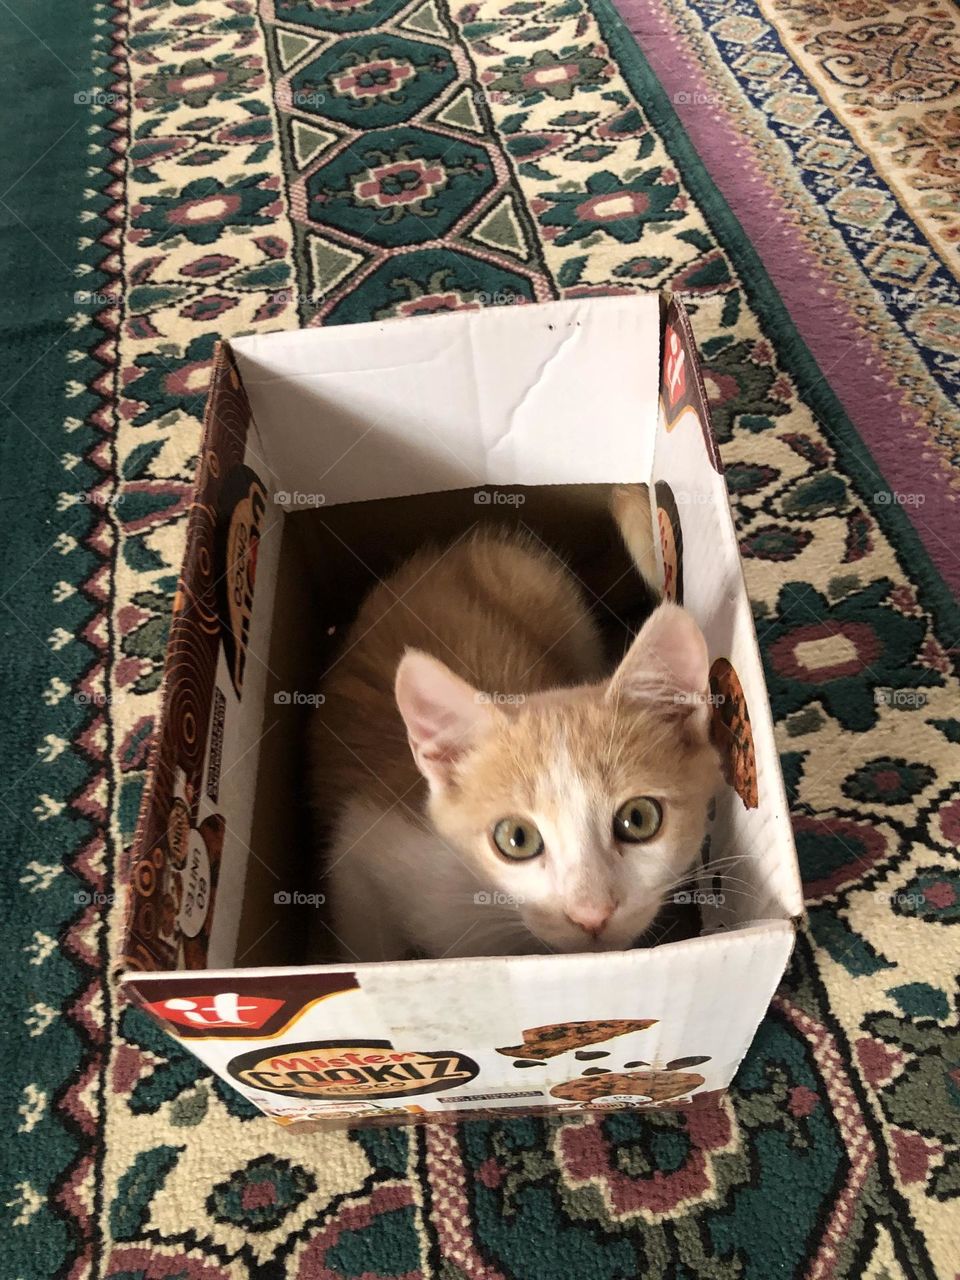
point(558, 1037)
point(671, 542)
point(731, 732)
point(658, 1086)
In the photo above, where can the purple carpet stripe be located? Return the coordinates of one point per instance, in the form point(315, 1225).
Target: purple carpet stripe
point(845, 354)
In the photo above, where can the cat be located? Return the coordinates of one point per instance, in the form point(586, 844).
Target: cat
point(490, 786)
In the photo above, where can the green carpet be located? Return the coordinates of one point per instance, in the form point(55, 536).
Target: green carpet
point(175, 171)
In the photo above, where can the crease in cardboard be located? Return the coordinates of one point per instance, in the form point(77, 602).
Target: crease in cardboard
point(262, 452)
point(536, 384)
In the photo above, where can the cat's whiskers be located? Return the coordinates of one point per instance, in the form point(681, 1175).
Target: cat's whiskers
point(664, 933)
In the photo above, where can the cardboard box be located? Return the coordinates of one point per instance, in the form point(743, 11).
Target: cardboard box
point(328, 454)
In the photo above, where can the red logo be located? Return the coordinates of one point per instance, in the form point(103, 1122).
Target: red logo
point(225, 1010)
point(674, 370)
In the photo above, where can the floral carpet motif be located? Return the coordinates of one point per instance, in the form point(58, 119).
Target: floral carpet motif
point(196, 169)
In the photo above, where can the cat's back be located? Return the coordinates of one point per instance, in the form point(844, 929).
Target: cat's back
point(502, 611)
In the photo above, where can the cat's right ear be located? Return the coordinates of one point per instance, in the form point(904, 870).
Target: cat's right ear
point(667, 668)
point(444, 715)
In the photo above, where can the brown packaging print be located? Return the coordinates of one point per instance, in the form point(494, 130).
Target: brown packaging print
point(188, 677)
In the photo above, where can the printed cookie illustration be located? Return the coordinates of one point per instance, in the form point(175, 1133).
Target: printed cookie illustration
point(658, 1086)
point(671, 542)
point(731, 732)
point(559, 1037)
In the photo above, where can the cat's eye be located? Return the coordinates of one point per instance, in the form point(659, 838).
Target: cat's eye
point(517, 839)
point(637, 820)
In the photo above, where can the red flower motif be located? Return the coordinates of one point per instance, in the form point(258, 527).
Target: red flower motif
point(848, 649)
point(372, 79)
point(802, 1101)
point(590, 1158)
point(948, 822)
point(403, 182)
point(613, 206)
point(491, 1173)
point(211, 264)
point(941, 894)
point(552, 73)
point(213, 209)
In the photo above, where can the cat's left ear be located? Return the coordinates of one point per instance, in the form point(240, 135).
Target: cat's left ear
point(444, 715)
point(667, 668)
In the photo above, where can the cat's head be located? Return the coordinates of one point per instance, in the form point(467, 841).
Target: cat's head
point(576, 811)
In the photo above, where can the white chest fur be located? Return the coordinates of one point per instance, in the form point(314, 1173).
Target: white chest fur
point(396, 886)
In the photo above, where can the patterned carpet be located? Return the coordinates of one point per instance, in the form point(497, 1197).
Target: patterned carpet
point(179, 169)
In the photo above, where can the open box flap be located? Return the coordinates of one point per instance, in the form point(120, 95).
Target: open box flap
point(496, 396)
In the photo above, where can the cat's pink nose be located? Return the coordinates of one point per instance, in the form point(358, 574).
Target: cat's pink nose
point(591, 919)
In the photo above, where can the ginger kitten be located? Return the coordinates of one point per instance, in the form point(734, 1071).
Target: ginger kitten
point(489, 788)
